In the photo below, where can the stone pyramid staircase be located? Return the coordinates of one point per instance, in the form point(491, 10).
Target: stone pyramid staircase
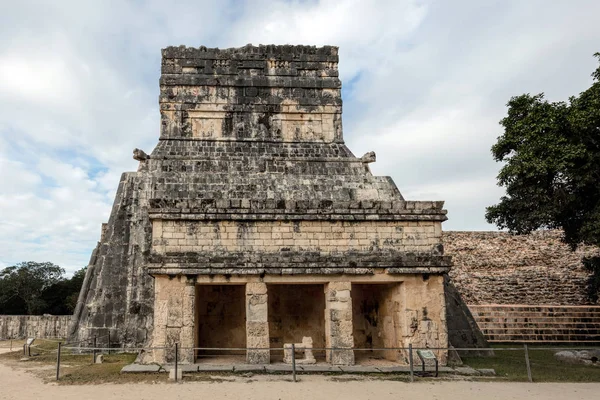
point(538, 324)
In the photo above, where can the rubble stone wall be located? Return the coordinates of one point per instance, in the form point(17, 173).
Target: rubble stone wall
point(500, 268)
point(36, 326)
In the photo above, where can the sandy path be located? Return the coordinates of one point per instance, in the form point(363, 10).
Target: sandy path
point(19, 384)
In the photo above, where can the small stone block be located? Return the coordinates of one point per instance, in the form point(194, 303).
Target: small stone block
point(172, 374)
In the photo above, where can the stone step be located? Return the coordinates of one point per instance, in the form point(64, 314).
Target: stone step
point(539, 323)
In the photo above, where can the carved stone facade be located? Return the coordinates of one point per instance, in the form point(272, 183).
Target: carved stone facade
point(253, 220)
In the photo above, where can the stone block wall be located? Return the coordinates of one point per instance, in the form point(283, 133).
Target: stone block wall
point(424, 320)
point(279, 93)
point(500, 268)
point(37, 326)
point(275, 236)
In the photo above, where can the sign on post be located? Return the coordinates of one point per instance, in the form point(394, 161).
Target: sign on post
point(28, 344)
point(428, 355)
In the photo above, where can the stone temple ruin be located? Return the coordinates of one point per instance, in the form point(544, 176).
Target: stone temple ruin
point(252, 225)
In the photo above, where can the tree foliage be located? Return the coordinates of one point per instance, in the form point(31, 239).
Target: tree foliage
point(551, 152)
point(38, 288)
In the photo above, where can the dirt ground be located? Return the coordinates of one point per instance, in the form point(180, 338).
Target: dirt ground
point(22, 385)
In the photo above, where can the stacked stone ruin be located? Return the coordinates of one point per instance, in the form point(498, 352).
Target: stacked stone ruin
point(251, 224)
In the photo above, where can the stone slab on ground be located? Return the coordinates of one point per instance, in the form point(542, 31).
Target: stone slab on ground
point(215, 368)
point(280, 368)
point(466, 371)
point(359, 369)
point(487, 371)
point(319, 368)
point(183, 367)
point(249, 368)
point(137, 368)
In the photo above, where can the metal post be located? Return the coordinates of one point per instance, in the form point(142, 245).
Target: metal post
point(108, 342)
point(24, 351)
point(176, 356)
point(293, 362)
point(410, 362)
point(94, 351)
point(58, 360)
point(527, 363)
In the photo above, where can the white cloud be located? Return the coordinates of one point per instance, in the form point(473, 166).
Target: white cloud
point(425, 83)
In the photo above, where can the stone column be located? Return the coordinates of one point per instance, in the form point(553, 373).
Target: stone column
point(338, 323)
point(188, 328)
point(257, 323)
point(174, 318)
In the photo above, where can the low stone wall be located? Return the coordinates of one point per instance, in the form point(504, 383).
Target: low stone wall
point(38, 326)
point(500, 268)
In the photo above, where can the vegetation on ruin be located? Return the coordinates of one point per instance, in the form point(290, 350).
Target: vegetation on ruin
point(551, 156)
point(32, 288)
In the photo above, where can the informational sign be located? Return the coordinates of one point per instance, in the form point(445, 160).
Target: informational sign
point(426, 354)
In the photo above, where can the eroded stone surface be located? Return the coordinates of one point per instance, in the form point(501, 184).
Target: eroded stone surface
point(251, 182)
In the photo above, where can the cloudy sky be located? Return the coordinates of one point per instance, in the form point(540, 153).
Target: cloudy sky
point(425, 84)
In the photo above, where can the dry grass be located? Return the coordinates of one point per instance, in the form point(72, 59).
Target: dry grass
point(79, 368)
point(75, 368)
point(510, 365)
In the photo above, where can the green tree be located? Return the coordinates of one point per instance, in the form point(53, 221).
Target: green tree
point(23, 284)
point(551, 152)
point(61, 297)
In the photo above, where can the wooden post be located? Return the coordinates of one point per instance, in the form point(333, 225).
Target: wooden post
point(410, 362)
point(527, 363)
point(58, 361)
point(176, 356)
point(94, 351)
point(293, 361)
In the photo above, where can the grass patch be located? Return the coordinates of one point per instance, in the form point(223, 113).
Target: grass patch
point(76, 368)
point(15, 343)
point(510, 365)
point(108, 371)
point(79, 369)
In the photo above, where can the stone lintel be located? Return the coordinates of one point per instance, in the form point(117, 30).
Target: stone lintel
point(285, 206)
point(290, 271)
point(315, 278)
point(303, 260)
point(226, 215)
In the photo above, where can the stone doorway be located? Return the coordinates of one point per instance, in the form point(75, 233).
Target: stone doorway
point(296, 311)
point(220, 323)
point(376, 320)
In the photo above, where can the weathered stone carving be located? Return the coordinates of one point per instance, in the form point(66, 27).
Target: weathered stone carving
point(369, 157)
point(251, 184)
point(140, 155)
